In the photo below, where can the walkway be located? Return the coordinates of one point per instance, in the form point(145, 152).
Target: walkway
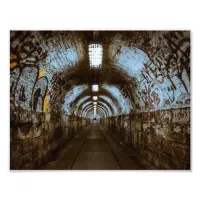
point(94, 149)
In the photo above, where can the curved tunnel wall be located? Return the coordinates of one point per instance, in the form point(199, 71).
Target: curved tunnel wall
point(42, 94)
point(144, 92)
point(160, 66)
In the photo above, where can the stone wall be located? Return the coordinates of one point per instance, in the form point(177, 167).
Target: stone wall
point(162, 137)
point(36, 137)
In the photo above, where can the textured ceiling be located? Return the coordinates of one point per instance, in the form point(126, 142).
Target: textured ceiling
point(141, 71)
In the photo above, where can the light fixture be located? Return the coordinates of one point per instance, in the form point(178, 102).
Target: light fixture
point(95, 88)
point(95, 103)
point(95, 112)
point(94, 98)
point(95, 55)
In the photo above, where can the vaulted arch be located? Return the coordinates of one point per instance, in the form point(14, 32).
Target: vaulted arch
point(137, 83)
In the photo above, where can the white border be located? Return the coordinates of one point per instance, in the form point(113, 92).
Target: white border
point(99, 15)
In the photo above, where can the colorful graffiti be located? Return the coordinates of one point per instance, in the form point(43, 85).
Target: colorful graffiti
point(59, 60)
point(46, 55)
point(26, 90)
point(42, 63)
point(124, 102)
point(161, 74)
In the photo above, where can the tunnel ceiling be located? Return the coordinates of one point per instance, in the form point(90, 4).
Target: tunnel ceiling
point(140, 71)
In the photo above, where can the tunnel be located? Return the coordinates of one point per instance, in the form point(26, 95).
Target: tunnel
point(105, 100)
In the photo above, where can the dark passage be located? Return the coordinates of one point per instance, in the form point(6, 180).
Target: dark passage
point(95, 152)
point(91, 149)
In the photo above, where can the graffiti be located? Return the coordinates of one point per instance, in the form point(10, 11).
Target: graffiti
point(181, 116)
point(148, 117)
point(131, 60)
point(14, 75)
point(27, 91)
point(25, 85)
point(155, 97)
point(124, 102)
point(167, 66)
point(39, 92)
point(72, 108)
point(158, 129)
point(165, 116)
point(70, 98)
point(51, 57)
point(25, 49)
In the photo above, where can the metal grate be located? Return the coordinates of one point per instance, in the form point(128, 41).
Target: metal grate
point(95, 55)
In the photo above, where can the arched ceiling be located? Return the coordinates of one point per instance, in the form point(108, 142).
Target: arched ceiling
point(99, 106)
point(140, 71)
point(100, 111)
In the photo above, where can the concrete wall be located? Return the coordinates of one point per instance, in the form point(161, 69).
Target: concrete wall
point(36, 137)
point(162, 137)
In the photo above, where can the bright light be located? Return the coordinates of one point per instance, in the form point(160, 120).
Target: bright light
point(94, 98)
point(95, 55)
point(95, 88)
point(95, 111)
point(95, 103)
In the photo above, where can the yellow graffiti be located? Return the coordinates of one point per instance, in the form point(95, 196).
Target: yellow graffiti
point(12, 56)
point(41, 73)
point(13, 64)
point(72, 108)
point(46, 103)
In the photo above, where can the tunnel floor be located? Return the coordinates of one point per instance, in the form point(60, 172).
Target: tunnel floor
point(95, 149)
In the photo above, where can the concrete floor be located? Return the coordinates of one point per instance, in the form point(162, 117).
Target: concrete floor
point(95, 149)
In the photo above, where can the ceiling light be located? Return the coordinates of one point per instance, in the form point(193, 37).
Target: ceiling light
point(95, 55)
point(95, 88)
point(95, 103)
point(94, 98)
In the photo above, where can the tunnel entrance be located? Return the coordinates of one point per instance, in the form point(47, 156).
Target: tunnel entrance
point(110, 95)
